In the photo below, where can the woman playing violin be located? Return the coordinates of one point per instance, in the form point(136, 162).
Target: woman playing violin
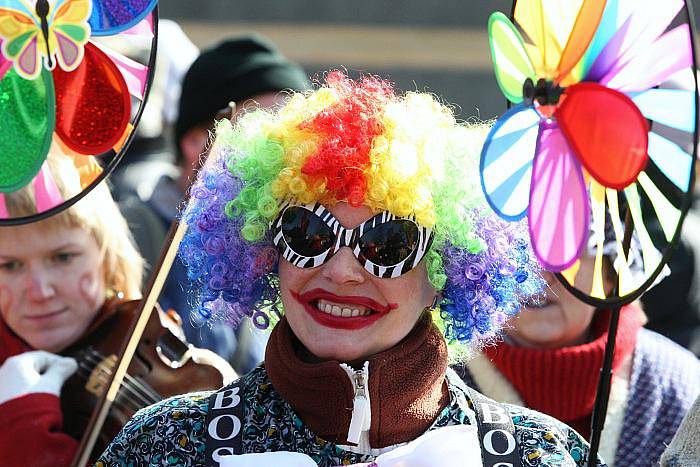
point(351, 221)
point(57, 277)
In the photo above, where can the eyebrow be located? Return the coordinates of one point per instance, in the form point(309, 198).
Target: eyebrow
point(63, 246)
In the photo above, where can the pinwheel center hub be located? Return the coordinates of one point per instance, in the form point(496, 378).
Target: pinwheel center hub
point(544, 93)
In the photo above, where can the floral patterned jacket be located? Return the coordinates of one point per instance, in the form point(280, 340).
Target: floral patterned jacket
point(172, 432)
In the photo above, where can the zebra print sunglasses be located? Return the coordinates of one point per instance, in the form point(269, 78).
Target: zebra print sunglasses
point(386, 245)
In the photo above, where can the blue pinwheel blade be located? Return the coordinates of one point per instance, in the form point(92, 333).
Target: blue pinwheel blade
point(110, 17)
point(506, 161)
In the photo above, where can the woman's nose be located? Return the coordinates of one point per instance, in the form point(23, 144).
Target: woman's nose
point(40, 286)
point(344, 268)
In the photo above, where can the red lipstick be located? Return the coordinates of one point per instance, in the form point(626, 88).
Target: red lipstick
point(339, 322)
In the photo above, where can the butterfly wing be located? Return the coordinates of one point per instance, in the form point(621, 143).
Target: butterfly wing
point(21, 40)
point(69, 31)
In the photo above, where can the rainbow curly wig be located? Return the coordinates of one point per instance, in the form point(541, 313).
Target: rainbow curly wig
point(361, 143)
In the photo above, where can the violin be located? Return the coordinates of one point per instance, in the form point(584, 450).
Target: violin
point(164, 364)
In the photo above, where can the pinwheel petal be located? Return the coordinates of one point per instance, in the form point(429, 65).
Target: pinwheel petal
point(4, 64)
point(597, 192)
point(674, 162)
point(110, 17)
point(510, 60)
point(27, 124)
point(670, 107)
point(584, 29)
point(94, 106)
point(650, 254)
point(669, 54)
point(629, 28)
point(666, 212)
point(46, 192)
point(559, 212)
point(506, 161)
point(627, 282)
point(134, 73)
point(546, 26)
point(606, 131)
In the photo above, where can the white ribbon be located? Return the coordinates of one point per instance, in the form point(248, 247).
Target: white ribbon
point(452, 446)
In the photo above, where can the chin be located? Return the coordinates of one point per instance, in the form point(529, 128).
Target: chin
point(342, 354)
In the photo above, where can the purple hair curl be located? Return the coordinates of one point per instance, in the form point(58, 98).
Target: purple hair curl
point(483, 290)
point(234, 277)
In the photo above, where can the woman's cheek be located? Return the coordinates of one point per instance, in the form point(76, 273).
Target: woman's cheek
point(89, 288)
point(6, 300)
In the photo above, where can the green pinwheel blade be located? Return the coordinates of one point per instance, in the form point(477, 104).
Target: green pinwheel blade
point(510, 60)
point(28, 110)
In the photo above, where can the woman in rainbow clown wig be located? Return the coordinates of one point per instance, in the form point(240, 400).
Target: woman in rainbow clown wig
point(351, 223)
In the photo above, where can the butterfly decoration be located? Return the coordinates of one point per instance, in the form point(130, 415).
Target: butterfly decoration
point(600, 135)
point(65, 91)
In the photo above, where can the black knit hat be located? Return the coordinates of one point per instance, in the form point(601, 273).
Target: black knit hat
point(234, 70)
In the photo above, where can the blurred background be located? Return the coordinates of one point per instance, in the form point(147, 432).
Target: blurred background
point(439, 47)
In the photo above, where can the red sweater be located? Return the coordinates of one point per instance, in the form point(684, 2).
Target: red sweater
point(543, 376)
point(30, 426)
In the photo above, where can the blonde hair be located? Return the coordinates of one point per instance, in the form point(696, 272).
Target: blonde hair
point(96, 213)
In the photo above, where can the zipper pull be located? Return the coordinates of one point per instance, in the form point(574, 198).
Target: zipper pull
point(361, 413)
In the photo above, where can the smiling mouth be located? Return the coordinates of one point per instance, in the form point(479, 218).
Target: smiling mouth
point(349, 312)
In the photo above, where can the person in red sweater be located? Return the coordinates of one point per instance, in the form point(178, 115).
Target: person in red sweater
point(57, 276)
point(550, 361)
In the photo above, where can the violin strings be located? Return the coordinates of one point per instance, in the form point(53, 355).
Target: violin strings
point(133, 384)
point(139, 384)
point(144, 394)
point(84, 371)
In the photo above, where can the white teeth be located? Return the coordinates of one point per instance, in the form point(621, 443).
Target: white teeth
point(344, 312)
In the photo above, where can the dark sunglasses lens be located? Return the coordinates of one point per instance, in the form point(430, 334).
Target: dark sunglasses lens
point(389, 243)
point(305, 232)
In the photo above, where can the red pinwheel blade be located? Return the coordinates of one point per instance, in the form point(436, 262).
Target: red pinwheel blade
point(559, 212)
point(606, 131)
point(93, 106)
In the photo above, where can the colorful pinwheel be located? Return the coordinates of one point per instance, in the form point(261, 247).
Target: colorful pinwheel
point(604, 120)
point(63, 89)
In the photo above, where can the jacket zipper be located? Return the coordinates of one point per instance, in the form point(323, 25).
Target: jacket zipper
point(361, 420)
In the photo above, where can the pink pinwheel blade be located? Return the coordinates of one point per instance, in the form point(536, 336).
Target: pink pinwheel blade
point(4, 65)
point(669, 54)
point(142, 29)
point(559, 212)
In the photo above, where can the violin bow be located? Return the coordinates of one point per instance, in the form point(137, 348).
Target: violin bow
point(144, 310)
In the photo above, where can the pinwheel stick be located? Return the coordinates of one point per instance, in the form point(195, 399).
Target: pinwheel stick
point(600, 408)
